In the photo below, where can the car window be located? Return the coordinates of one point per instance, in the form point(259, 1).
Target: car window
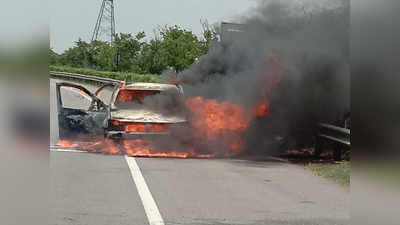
point(105, 94)
point(170, 101)
point(128, 97)
point(74, 98)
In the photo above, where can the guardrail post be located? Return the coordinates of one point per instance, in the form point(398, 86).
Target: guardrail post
point(337, 152)
point(318, 149)
point(339, 137)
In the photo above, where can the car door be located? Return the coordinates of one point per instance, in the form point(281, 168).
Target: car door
point(81, 114)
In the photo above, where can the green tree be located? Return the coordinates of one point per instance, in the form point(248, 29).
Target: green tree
point(102, 56)
point(78, 56)
point(151, 60)
point(172, 47)
point(53, 57)
point(179, 47)
point(129, 48)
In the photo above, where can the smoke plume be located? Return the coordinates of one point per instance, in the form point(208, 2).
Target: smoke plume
point(293, 53)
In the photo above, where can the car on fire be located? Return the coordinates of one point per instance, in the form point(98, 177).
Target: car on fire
point(136, 110)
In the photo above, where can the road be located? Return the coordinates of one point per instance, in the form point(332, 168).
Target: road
point(100, 189)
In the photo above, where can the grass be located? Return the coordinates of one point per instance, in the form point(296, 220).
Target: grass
point(128, 77)
point(337, 172)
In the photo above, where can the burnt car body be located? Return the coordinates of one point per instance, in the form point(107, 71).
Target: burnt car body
point(134, 111)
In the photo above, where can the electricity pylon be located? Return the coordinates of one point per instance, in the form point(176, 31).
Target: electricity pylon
point(105, 25)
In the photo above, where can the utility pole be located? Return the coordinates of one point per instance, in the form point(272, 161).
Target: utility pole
point(105, 25)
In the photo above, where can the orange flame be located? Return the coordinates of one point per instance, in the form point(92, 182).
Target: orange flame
point(144, 148)
point(262, 109)
point(110, 148)
point(158, 127)
point(116, 123)
point(124, 96)
point(106, 147)
point(134, 148)
point(211, 118)
point(66, 144)
point(135, 127)
point(213, 121)
point(127, 95)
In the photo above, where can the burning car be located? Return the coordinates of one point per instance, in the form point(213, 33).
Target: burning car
point(137, 110)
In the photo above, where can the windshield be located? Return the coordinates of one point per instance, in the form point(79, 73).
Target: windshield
point(170, 101)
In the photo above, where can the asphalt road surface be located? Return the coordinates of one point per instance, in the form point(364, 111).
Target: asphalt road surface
point(95, 189)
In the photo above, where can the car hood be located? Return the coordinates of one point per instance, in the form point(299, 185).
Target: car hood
point(146, 116)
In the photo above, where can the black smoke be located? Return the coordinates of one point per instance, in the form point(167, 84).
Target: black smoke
point(311, 41)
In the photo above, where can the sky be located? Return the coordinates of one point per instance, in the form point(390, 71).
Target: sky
point(23, 21)
point(74, 19)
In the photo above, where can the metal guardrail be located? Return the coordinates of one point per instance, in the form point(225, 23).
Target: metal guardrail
point(339, 136)
point(82, 77)
point(342, 130)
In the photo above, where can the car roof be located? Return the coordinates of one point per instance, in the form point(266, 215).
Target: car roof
point(150, 86)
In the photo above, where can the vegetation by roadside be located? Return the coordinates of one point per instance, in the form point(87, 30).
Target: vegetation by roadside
point(338, 172)
point(323, 166)
point(172, 48)
point(128, 77)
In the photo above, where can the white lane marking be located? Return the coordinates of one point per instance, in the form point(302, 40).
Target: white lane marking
point(66, 150)
point(150, 206)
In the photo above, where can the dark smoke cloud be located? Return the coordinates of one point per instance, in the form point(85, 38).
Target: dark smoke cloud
point(311, 39)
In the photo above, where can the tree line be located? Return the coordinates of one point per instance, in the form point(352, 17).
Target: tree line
point(172, 48)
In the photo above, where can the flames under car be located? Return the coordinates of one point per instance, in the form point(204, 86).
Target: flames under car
point(137, 110)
